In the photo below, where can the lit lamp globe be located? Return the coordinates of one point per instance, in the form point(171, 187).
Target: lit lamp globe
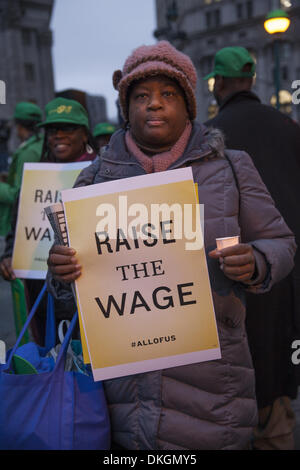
point(277, 21)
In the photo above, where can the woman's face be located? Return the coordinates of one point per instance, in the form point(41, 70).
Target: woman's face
point(66, 141)
point(157, 112)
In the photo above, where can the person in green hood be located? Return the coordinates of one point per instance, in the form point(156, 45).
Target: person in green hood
point(26, 118)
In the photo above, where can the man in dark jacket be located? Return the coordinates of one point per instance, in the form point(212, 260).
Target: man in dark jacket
point(272, 139)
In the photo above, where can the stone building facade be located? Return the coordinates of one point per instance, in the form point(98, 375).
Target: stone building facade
point(201, 27)
point(25, 53)
point(26, 67)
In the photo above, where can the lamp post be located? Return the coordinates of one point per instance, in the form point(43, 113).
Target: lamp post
point(277, 22)
point(171, 31)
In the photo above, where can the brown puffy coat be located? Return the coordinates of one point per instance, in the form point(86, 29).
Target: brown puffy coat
point(210, 405)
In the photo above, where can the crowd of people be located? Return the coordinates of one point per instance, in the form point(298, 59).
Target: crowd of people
point(246, 164)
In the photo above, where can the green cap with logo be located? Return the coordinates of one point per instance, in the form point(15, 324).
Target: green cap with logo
point(65, 111)
point(103, 128)
point(229, 62)
point(27, 111)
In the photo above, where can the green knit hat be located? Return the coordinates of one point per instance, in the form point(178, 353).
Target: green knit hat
point(103, 128)
point(63, 110)
point(229, 62)
point(27, 111)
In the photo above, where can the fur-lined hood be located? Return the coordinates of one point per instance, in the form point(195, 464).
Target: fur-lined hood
point(215, 139)
point(204, 142)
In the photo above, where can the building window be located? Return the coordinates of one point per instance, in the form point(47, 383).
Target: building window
point(211, 42)
point(239, 11)
point(213, 18)
point(29, 72)
point(26, 36)
point(286, 50)
point(244, 10)
point(208, 16)
point(217, 18)
point(284, 73)
point(249, 9)
point(274, 4)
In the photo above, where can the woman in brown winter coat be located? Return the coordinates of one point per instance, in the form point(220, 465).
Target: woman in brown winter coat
point(210, 405)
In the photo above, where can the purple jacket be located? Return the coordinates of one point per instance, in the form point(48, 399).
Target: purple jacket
point(210, 405)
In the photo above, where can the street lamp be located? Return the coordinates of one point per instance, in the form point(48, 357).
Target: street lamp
point(277, 22)
point(171, 31)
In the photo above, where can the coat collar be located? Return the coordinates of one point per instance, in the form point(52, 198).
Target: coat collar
point(204, 142)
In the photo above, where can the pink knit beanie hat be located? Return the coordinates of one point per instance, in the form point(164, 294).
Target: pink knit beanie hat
point(159, 59)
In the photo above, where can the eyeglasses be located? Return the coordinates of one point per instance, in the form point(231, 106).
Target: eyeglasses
point(67, 128)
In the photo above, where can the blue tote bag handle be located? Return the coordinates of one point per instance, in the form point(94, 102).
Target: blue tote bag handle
point(50, 338)
point(60, 362)
point(50, 326)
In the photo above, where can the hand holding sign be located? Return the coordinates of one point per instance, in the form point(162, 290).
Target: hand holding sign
point(6, 269)
point(63, 264)
point(41, 186)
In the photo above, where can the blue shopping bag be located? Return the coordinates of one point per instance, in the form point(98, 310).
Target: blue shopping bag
point(52, 410)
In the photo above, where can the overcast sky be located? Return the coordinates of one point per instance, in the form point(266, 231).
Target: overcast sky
point(92, 38)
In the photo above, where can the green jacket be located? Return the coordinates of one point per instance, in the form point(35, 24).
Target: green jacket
point(28, 151)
